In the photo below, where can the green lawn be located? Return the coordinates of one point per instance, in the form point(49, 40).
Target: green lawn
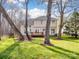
point(62, 49)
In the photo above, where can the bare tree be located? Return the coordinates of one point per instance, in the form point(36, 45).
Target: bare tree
point(26, 24)
point(61, 19)
point(62, 5)
point(0, 20)
point(20, 36)
point(0, 26)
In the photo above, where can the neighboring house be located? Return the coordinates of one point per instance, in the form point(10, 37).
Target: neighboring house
point(37, 26)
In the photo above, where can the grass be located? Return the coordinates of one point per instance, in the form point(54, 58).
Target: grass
point(62, 49)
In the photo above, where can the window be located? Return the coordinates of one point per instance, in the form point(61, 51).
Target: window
point(52, 30)
point(30, 30)
point(32, 22)
point(53, 21)
point(43, 29)
point(41, 21)
point(36, 30)
point(29, 25)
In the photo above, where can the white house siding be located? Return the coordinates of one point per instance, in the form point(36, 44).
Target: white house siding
point(39, 25)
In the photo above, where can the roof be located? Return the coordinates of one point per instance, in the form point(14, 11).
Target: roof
point(41, 18)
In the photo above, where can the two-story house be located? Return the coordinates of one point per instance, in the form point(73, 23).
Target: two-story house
point(37, 26)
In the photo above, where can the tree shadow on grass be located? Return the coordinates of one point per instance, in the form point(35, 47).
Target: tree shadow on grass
point(67, 50)
point(61, 49)
point(60, 52)
point(5, 54)
point(71, 40)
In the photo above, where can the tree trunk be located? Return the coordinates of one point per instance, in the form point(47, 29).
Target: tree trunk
point(26, 24)
point(75, 26)
point(0, 20)
point(76, 34)
point(0, 26)
point(20, 36)
point(60, 26)
point(61, 20)
point(47, 41)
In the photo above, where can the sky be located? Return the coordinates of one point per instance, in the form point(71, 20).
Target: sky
point(36, 8)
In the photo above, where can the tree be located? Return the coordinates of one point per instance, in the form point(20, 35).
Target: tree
point(20, 36)
point(61, 20)
point(63, 7)
point(26, 24)
point(61, 11)
point(72, 25)
point(47, 41)
point(0, 20)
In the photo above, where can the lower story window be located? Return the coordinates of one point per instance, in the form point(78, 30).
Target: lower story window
point(52, 31)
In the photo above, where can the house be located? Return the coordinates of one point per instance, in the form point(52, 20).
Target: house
point(37, 26)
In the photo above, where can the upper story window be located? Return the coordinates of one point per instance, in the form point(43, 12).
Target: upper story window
point(53, 21)
point(41, 21)
point(30, 30)
point(29, 25)
point(32, 22)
